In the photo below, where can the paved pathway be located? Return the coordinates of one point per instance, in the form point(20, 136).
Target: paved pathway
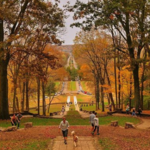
point(145, 124)
point(85, 143)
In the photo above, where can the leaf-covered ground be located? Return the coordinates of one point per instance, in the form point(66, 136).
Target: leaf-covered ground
point(111, 138)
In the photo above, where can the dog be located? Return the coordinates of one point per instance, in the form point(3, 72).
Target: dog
point(75, 138)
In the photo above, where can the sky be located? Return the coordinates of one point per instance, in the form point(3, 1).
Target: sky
point(70, 33)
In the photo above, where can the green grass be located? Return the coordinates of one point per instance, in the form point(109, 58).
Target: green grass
point(72, 85)
point(93, 108)
point(32, 144)
point(83, 84)
point(80, 100)
point(57, 84)
point(84, 98)
point(36, 122)
point(121, 120)
point(53, 108)
point(89, 108)
point(74, 118)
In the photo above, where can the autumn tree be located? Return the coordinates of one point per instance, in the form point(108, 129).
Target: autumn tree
point(16, 20)
point(129, 18)
point(92, 48)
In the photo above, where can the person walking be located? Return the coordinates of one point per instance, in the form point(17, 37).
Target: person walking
point(96, 124)
point(63, 110)
point(64, 125)
point(92, 116)
point(19, 116)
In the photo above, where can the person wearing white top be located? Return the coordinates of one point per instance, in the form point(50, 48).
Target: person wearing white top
point(92, 116)
point(64, 125)
point(96, 125)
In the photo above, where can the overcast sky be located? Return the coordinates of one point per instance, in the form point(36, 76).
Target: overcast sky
point(70, 33)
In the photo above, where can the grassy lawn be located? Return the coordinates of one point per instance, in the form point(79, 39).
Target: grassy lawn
point(72, 85)
point(84, 98)
point(83, 84)
point(80, 100)
point(57, 99)
point(93, 108)
point(74, 118)
point(57, 83)
point(89, 108)
point(53, 108)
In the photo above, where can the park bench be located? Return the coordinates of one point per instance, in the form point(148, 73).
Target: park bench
point(28, 125)
point(114, 123)
point(129, 125)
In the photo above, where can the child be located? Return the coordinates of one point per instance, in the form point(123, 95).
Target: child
point(96, 125)
point(133, 112)
point(75, 138)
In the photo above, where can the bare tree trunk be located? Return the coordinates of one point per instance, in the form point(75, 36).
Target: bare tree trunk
point(4, 111)
point(23, 96)
point(17, 103)
point(130, 91)
point(38, 95)
point(43, 95)
point(119, 88)
point(122, 94)
point(108, 99)
point(27, 94)
point(115, 80)
point(110, 94)
point(97, 93)
point(102, 100)
point(142, 86)
point(14, 96)
point(136, 86)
